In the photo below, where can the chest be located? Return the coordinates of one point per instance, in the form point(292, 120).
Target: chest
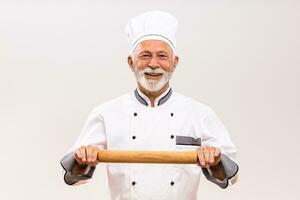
point(154, 129)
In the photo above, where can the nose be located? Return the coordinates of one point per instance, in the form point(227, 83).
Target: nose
point(153, 64)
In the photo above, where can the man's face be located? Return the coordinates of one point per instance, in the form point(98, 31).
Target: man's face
point(153, 63)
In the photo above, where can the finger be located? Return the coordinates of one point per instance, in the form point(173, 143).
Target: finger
point(78, 156)
point(217, 155)
point(89, 153)
point(77, 153)
point(217, 152)
point(206, 156)
point(92, 155)
point(95, 155)
point(211, 155)
point(83, 153)
point(93, 152)
point(201, 158)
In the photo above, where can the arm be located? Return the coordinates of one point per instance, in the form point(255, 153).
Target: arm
point(76, 167)
point(222, 170)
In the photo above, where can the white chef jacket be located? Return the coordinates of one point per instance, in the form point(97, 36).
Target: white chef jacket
point(175, 123)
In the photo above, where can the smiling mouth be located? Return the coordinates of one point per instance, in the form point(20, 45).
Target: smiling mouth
point(153, 74)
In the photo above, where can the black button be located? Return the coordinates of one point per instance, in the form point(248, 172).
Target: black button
point(172, 114)
point(172, 183)
point(135, 114)
point(172, 136)
point(133, 137)
point(133, 183)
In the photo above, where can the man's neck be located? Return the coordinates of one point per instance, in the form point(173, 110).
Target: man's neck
point(153, 95)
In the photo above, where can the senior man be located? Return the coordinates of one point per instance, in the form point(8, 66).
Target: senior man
point(153, 117)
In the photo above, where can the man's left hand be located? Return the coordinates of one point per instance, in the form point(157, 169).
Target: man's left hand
point(208, 156)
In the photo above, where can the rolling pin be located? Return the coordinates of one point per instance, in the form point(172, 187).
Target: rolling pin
point(163, 157)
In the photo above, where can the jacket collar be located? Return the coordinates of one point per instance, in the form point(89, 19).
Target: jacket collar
point(143, 99)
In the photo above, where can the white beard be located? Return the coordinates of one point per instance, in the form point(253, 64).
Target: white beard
point(152, 85)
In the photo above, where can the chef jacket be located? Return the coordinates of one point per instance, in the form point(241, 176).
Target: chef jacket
point(175, 123)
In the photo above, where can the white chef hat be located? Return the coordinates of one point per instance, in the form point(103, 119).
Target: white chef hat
point(152, 25)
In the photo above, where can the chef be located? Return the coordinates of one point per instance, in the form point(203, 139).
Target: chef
point(153, 117)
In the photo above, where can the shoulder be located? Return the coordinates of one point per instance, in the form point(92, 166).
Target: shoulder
point(115, 104)
point(192, 104)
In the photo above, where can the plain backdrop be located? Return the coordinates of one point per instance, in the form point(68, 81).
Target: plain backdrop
point(59, 59)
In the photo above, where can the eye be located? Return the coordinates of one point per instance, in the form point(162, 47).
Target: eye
point(144, 55)
point(162, 56)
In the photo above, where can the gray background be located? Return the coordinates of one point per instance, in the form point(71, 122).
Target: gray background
point(59, 59)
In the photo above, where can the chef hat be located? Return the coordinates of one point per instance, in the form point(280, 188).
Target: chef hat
point(152, 25)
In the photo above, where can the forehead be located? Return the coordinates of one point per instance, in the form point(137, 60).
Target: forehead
point(153, 46)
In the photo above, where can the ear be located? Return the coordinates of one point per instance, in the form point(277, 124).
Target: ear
point(130, 62)
point(176, 61)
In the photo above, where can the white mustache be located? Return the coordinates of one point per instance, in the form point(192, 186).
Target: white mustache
point(154, 71)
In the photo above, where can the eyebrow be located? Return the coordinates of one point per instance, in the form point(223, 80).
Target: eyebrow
point(162, 52)
point(145, 52)
point(159, 52)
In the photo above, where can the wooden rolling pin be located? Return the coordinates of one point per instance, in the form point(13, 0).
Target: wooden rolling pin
point(164, 157)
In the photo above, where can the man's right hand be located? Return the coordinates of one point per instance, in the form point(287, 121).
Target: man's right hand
point(87, 155)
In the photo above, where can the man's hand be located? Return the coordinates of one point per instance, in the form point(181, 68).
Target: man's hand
point(208, 156)
point(87, 155)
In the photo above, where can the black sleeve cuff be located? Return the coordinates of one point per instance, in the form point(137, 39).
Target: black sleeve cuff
point(67, 163)
point(231, 169)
